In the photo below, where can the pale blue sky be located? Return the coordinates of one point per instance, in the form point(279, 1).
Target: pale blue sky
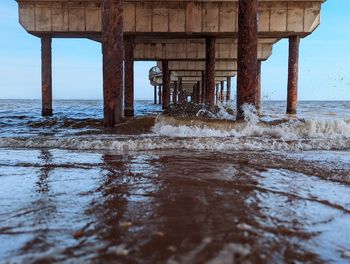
point(324, 62)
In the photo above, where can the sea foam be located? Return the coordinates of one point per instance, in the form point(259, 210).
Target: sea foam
point(201, 134)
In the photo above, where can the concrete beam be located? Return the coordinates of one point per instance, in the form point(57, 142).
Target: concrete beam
point(230, 65)
point(199, 73)
point(187, 50)
point(69, 18)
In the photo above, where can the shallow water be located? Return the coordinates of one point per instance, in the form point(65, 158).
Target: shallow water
point(252, 193)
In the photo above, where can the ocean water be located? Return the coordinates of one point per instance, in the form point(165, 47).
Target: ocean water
point(160, 189)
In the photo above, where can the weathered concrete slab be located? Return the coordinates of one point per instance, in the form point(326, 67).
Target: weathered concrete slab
point(82, 18)
point(228, 65)
point(199, 73)
point(190, 50)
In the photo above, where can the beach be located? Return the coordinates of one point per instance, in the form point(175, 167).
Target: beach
point(174, 190)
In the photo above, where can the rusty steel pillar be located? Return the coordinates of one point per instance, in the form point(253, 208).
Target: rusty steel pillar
point(293, 64)
point(203, 88)
point(129, 44)
point(210, 71)
point(181, 92)
point(217, 87)
point(155, 94)
point(194, 92)
point(175, 93)
point(46, 75)
point(113, 50)
point(222, 94)
point(160, 94)
point(166, 84)
point(247, 57)
point(258, 92)
point(198, 92)
point(228, 89)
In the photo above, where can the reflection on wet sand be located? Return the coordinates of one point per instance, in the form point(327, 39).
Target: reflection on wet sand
point(181, 213)
point(43, 210)
point(183, 207)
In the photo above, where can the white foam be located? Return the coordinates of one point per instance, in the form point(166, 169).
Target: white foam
point(322, 134)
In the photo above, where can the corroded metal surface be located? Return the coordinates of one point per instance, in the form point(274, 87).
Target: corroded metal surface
point(46, 75)
point(175, 93)
point(217, 93)
point(258, 93)
point(166, 84)
point(129, 43)
point(198, 92)
point(247, 54)
point(160, 94)
point(222, 93)
point(210, 70)
point(293, 63)
point(228, 89)
point(112, 48)
point(155, 94)
point(181, 91)
point(203, 88)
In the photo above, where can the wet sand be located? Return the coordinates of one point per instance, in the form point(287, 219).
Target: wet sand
point(174, 188)
point(175, 206)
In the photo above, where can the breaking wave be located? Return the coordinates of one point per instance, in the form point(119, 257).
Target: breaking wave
point(220, 133)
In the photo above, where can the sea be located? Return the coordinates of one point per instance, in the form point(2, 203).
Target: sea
point(167, 189)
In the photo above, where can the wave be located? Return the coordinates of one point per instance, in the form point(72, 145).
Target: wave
point(206, 134)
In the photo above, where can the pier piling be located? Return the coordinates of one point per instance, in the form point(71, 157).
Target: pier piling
point(258, 92)
point(166, 84)
point(175, 93)
point(155, 94)
point(46, 75)
point(113, 50)
point(222, 96)
point(160, 94)
point(181, 91)
point(228, 89)
point(203, 88)
point(217, 87)
point(247, 55)
point(198, 92)
point(129, 43)
point(293, 64)
point(210, 70)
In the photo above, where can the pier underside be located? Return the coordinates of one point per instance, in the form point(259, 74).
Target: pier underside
point(201, 44)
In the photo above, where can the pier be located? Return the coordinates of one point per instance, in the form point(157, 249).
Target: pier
point(199, 46)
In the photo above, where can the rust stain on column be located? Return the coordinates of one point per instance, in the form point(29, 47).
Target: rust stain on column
point(112, 49)
point(293, 64)
point(166, 84)
point(46, 75)
point(247, 54)
point(222, 94)
point(210, 71)
point(129, 44)
point(258, 93)
point(228, 89)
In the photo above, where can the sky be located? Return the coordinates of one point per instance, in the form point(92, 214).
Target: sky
point(324, 67)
